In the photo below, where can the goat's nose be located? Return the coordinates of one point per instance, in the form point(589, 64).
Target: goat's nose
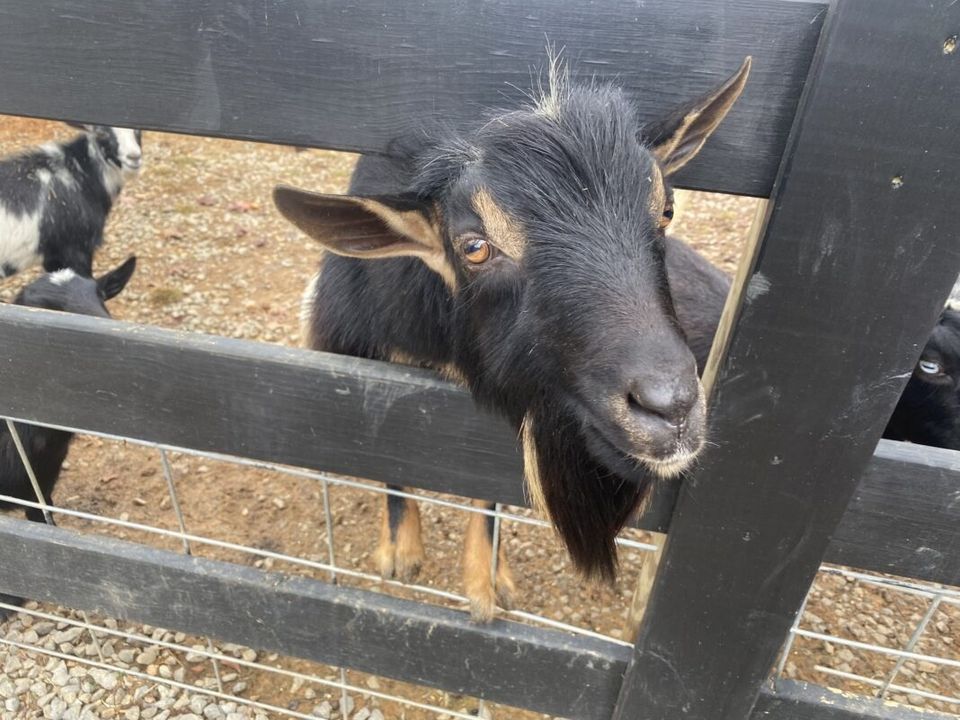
point(134, 156)
point(669, 399)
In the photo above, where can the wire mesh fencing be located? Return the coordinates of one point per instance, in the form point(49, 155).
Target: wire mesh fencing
point(868, 634)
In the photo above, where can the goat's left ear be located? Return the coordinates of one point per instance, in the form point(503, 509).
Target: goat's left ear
point(678, 138)
point(112, 283)
point(364, 227)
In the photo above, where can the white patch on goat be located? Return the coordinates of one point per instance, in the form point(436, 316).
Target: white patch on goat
point(52, 150)
point(110, 174)
point(44, 176)
point(62, 277)
point(128, 149)
point(19, 239)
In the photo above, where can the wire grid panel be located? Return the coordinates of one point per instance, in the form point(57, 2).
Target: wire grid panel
point(878, 636)
point(329, 555)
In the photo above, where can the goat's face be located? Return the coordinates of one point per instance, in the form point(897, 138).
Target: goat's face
point(121, 147)
point(546, 225)
point(929, 408)
point(66, 291)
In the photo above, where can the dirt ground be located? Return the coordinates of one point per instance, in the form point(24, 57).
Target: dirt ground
point(215, 257)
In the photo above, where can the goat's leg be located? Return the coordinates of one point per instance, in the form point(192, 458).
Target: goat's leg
point(483, 590)
point(400, 553)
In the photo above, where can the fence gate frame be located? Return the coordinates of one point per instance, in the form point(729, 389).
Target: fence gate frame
point(848, 125)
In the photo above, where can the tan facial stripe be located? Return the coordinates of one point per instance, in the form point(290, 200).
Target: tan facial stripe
point(503, 231)
point(658, 192)
point(413, 225)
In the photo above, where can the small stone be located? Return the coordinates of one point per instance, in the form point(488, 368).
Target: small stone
point(132, 713)
point(12, 704)
point(43, 628)
point(147, 657)
point(236, 716)
point(61, 676)
point(197, 703)
point(279, 503)
point(346, 705)
point(373, 683)
point(925, 666)
point(148, 713)
point(376, 715)
point(239, 687)
point(105, 679)
point(249, 655)
point(212, 712)
point(323, 710)
point(309, 693)
point(362, 714)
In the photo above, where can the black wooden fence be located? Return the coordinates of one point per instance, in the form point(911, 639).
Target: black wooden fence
point(849, 124)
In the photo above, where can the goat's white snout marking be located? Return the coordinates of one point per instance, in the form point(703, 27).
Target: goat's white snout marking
point(128, 148)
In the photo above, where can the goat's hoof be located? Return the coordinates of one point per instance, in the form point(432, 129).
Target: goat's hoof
point(399, 563)
point(483, 604)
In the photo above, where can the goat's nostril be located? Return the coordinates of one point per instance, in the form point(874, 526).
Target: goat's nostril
point(670, 404)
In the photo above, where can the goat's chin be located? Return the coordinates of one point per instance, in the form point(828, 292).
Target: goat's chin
point(589, 492)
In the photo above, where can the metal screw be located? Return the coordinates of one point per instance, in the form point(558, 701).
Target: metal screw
point(896, 182)
point(950, 45)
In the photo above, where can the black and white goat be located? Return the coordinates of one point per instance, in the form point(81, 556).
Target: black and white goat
point(55, 199)
point(46, 449)
point(526, 258)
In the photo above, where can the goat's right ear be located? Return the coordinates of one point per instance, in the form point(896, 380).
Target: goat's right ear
point(112, 283)
point(362, 227)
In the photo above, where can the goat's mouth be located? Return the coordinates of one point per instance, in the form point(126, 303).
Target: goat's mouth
point(607, 443)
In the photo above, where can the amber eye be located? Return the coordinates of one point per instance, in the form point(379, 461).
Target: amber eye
point(666, 217)
point(476, 249)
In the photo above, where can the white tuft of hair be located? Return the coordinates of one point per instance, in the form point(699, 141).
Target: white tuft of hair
point(548, 100)
point(62, 277)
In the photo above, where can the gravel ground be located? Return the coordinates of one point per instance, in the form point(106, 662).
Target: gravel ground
point(216, 258)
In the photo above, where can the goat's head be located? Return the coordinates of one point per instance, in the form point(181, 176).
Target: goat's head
point(929, 408)
point(67, 291)
point(547, 227)
point(121, 147)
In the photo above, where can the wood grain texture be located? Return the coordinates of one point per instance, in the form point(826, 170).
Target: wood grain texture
point(353, 75)
point(544, 670)
point(385, 422)
point(815, 360)
point(904, 517)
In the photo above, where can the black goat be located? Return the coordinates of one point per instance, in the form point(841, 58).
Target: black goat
point(525, 258)
point(54, 200)
point(46, 449)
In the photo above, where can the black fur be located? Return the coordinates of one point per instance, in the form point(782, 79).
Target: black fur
point(75, 202)
point(47, 448)
point(928, 412)
point(586, 311)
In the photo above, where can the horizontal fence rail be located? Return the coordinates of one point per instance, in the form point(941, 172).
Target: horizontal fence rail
point(352, 75)
point(544, 670)
point(382, 422)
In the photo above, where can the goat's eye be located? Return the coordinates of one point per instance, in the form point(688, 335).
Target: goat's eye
point(476, 249)
point(929, 367)
point(666, 217)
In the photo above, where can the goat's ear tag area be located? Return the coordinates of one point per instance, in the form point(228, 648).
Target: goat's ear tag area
point(677, 140)
point(362, 227)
